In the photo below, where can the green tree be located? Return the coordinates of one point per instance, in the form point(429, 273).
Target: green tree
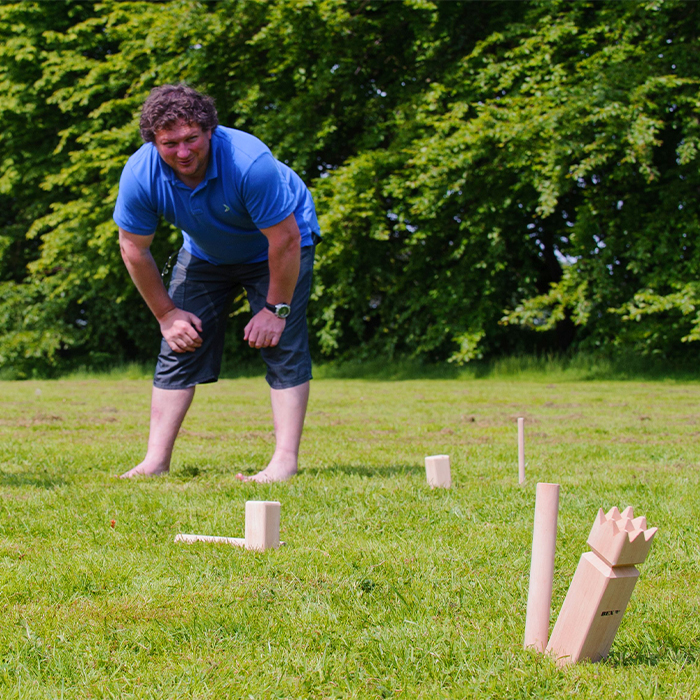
point(483, 170)
point(548, 173)
point(319, 81)
point(66, 136)
point(620, 179)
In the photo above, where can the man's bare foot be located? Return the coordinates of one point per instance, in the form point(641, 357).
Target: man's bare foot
point(279, 469)
point(144, 469)
point(265, 477)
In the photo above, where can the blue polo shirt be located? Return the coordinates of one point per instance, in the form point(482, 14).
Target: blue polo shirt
point(245, 189)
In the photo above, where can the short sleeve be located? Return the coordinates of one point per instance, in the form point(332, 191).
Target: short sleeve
point(267, 194)
point(133, 211)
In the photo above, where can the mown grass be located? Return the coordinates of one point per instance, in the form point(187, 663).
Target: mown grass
point(385, 588)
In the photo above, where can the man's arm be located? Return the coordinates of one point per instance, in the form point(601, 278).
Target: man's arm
point(179, 328)
point(284, 255)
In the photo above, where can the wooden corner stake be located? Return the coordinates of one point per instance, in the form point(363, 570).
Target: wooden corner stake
point(521, 450)
point(437, 471)
point(601, 588)
point(544, 542)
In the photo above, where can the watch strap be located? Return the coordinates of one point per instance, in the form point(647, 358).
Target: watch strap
point(274, 308)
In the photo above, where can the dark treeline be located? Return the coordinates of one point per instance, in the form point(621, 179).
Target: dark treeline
point(491, 177)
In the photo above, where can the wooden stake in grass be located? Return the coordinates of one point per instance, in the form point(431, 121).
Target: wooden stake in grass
point(437, 471)
point(601, 588)
point(262, 528)
point(521, 450)
point(544, 542)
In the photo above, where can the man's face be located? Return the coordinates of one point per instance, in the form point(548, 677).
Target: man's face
point(185, 148)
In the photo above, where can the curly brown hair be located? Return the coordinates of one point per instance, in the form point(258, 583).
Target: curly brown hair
point(168, 104)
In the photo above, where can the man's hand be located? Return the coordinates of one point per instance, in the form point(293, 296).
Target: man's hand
point(181, 330)
point(264, 330)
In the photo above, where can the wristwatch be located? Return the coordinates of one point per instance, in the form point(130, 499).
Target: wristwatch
point(280, 310)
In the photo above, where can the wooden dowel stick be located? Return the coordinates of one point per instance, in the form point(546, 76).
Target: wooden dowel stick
point(189, 539)
point(544, 542)
point(521, 450)
point(234, 541)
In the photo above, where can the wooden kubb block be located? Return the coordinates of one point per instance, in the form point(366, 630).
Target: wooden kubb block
point(262, 525)
point(601, 588)
point(437, 471)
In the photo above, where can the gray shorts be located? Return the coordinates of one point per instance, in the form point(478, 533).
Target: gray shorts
point(207, 290)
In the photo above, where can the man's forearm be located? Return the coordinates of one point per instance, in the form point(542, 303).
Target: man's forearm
point(283, 259)
point(145, 275)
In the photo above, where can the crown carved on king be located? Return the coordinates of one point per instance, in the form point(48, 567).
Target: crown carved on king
point(620, 539)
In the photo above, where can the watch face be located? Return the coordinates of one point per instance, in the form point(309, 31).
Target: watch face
point(282, 310)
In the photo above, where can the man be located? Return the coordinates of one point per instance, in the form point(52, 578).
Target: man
point(247, 220)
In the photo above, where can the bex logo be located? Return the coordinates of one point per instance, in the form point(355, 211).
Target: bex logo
point(607, 613)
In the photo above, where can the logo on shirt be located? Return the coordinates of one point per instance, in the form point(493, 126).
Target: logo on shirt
point(227, 208)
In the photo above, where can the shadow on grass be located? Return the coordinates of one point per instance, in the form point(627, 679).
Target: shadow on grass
point(39, 481)
point(365, 470)
point(188, 471)
point(683, 656)
point(658, 645)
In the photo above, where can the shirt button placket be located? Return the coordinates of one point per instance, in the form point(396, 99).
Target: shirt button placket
point(194, 205)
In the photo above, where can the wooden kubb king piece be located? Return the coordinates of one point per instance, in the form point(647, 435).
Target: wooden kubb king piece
point(601, 588)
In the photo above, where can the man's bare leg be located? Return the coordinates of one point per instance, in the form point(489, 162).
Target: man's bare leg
point(168, 409)
point(288, 413)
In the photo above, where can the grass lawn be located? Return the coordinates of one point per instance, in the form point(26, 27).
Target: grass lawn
point(385, 588)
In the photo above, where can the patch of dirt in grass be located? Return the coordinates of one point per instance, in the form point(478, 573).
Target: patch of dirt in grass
point(38, 419)
point(201, 436)
point(570, 416)
point(102, 421)
point(256, 435)
point(46, 418)
point(459, 440)
point(529, 420)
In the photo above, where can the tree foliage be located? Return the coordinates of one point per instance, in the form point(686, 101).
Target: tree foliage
point(482, 170)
